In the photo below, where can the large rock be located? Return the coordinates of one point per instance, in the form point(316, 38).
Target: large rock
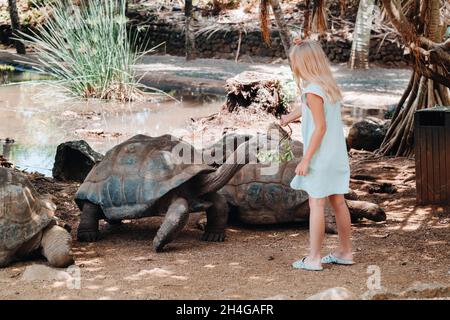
point(426, 291)
point(74, 160)
point(40, 272)
point(417, 291)
point(367, 134)
point(337, 293)
point(379, 294)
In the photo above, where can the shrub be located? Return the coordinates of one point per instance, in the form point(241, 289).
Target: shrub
point(87, 49)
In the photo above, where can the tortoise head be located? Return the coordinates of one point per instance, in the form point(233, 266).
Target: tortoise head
point(214, 181)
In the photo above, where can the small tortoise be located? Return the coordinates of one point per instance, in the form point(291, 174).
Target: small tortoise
point(255, 198)
point(27, 223)
point(144, 176)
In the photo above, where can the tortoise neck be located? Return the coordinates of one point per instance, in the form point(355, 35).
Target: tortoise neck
point(214, 181)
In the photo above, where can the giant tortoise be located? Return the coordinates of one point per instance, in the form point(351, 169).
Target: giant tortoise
point(27, 223)
point(255, 197)
point(148, 176)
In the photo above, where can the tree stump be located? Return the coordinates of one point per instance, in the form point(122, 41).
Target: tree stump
point(255, 92)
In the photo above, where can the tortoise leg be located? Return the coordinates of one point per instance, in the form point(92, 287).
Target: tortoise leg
point(364, 209)
point(176, 218)
point(88, 227)
point(217, 218)
point(29, 249)
point(55, 244)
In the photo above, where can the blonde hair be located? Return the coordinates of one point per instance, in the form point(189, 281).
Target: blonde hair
point(309, 63)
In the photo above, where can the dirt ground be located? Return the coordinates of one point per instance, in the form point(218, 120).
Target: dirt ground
point(254, 262)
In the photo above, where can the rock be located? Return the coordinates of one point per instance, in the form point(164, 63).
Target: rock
point(69, 114)
point(74, 160)
point(367, 134)
point(426, 291)
point(380, 294)
point(40, 272)
point(416, 291)
point(337, 293)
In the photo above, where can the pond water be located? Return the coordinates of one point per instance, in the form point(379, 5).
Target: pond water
point(38, 117)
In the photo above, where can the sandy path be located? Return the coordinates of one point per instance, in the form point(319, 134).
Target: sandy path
point(412, 245)
point(377, 87)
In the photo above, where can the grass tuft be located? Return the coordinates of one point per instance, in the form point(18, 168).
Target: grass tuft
point(88, 50)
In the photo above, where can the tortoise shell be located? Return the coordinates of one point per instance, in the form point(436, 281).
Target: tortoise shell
point(136, 173)
point(23, 213)
point(264, 196)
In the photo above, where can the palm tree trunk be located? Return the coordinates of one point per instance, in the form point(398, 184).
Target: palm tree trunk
point(282, 27)
point(15, 25)
point(359, 58)
point(189, 33)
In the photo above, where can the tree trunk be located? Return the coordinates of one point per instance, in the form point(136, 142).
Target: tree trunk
point(282, 27)
point(341, 8)
point(189, 33)
point(255, 91)
point(307, 19)
point(429, 84)
point(315, 20)
point(359, 58)
point(15, 25)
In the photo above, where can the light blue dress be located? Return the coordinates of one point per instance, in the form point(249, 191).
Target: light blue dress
point(329, 170)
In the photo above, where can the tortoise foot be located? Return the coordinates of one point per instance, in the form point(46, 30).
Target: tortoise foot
point(158, 245)
point(213, 236)
point(88, 236)
point(112, 222)
point(88, 228)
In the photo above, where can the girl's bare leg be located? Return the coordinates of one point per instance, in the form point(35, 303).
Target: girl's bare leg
point(343, 224)
point(316, 230)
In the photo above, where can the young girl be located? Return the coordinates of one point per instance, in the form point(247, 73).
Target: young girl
point(324, 170)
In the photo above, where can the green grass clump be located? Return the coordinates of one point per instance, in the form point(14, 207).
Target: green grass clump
point(88, 50)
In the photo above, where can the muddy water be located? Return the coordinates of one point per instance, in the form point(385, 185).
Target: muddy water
point(39, 117)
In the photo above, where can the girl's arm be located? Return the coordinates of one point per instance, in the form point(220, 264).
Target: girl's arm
point(294, 115)
point(315, 104)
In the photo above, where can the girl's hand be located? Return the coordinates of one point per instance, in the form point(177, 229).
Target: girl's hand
point(302, 168)
point(284, 120)
point(297, 41)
